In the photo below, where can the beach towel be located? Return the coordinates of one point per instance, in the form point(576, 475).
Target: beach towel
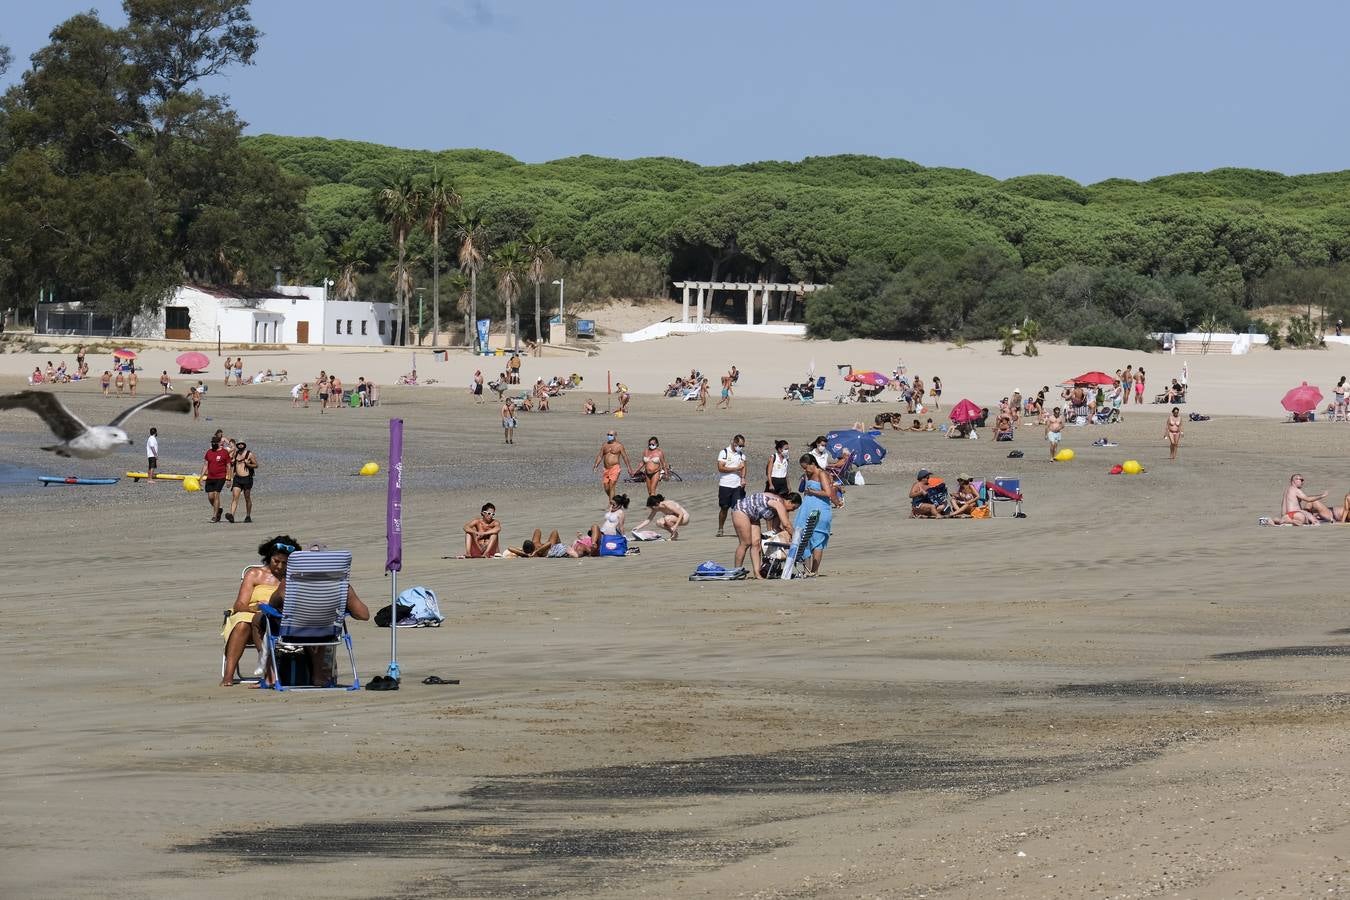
point(711, 571)
point(646, 536)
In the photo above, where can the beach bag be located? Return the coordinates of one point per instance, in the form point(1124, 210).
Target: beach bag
point(613, 545)
point(426, 609)
point(383, 617)
point(711, 571)
point(980, 512)
point(858, 479)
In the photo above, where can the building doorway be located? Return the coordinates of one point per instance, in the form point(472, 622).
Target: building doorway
point(302, 332)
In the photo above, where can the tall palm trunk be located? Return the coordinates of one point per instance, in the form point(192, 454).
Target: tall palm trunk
point(400, 317)
point(538, 335)
point(436, 284)
point(473, 304)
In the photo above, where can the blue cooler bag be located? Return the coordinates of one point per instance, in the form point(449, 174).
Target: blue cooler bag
point(613, 545)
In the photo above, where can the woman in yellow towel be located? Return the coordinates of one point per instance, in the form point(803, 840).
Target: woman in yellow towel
point(256, 588)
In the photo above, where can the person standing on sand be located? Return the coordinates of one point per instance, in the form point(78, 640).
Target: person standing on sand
point(215, 469)
point(610, 454)
point(120, 382)
point(1173, 432)
point(478, 386)
point(131, 380)
point(1139, 387)
point(936, 391)
point(776, 470)
point(702, 394)
point(229, 367)
point(152, 455)
point(195, 398)
point(1054, 430)
point(508, 422)
point(725, 402)
point(1127, 382)
point(730, 480)
point(106, 382)
point(245, 464)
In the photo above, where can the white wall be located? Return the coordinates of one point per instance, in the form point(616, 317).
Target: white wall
point(273, 320)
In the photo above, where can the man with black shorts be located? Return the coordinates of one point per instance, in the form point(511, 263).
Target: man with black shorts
point(151, 455)
point(730, 478)
point(245, 463)
point(215, 468)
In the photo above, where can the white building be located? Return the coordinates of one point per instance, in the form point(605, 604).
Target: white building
point(280, 315)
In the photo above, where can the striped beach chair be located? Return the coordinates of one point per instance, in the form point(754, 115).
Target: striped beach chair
point(314, 612)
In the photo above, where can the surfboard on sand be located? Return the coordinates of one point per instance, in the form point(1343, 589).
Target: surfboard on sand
point(137, 476)
point(71, 479)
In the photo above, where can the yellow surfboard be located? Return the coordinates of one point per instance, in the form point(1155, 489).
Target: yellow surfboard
point(137, 476)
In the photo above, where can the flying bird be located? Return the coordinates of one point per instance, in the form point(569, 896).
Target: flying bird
point(77, 438)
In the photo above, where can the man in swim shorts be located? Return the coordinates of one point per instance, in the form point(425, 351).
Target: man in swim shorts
point(481, 535)
point(1054, 430)
point(245, 463)
point(611, 453)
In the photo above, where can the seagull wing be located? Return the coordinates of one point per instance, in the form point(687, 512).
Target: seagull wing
point(170, 402)
point(60, 420)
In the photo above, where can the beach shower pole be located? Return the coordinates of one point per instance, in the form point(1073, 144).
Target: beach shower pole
point(394, 536)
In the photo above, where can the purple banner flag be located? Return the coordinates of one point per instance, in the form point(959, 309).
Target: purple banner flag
point(394, 512)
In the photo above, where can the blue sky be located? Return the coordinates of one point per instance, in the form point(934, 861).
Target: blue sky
point(1086, 89)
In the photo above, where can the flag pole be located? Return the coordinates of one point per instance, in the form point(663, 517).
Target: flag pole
point(394, 536)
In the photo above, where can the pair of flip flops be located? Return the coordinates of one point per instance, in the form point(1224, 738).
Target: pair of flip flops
point(436, 679)
point(382, 683)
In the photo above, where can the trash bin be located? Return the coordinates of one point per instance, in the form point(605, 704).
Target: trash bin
point(499, 352)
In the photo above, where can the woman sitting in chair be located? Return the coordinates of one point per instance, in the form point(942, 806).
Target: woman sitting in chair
point(244, 626)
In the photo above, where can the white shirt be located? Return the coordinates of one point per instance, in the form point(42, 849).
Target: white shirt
point(734, 459)
point(151, 446)
point(822, 456)
point(780, 466)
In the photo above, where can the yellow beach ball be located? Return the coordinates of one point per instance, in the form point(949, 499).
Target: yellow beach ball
point(191, 484)
point(618, 414)
point(1131, 467)
point(1064, 455)
point(370, 468)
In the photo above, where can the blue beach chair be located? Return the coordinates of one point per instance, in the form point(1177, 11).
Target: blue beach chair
point(314, 612)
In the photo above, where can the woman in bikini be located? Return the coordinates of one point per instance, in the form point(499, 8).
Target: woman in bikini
point(665, 514)
point(1173, 432)
point(653, 465)
point(244, 624)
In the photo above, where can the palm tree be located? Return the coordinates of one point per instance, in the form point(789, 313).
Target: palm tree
point(1030, 331)
point(470, 231)
point(538, 253)
point(458, 286)
point(510, 264)
point(441, 199)
point(400, 205)
point(349, 262)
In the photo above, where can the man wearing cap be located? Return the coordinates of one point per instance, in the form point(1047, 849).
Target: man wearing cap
point(920, 505)
point(965, 499)
point(610, 454)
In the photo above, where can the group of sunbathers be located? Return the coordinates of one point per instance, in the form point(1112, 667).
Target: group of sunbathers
point(1300, 508)
point(929, 498)
point(482, 535)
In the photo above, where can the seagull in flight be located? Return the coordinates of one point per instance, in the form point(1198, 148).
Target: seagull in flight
point(77, 438)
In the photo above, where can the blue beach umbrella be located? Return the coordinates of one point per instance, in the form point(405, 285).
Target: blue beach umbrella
point(862, 446)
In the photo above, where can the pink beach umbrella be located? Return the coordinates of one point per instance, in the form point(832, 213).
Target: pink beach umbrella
point(193, 361)
point(1302, 399)
point(965, 411)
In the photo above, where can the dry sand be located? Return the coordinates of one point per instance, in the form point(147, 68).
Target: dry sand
point(1133, 692)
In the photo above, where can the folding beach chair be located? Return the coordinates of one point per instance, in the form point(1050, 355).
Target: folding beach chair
point(314, 612)
point(774, 554)
point(1006, 489)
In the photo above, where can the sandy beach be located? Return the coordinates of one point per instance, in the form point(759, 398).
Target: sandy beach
point(1133, 692)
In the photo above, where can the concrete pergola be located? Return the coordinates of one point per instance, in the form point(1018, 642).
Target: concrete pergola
point(763, 288)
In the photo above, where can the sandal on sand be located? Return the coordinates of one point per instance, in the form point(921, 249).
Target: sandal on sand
point(382, 683)
point(436, 679)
